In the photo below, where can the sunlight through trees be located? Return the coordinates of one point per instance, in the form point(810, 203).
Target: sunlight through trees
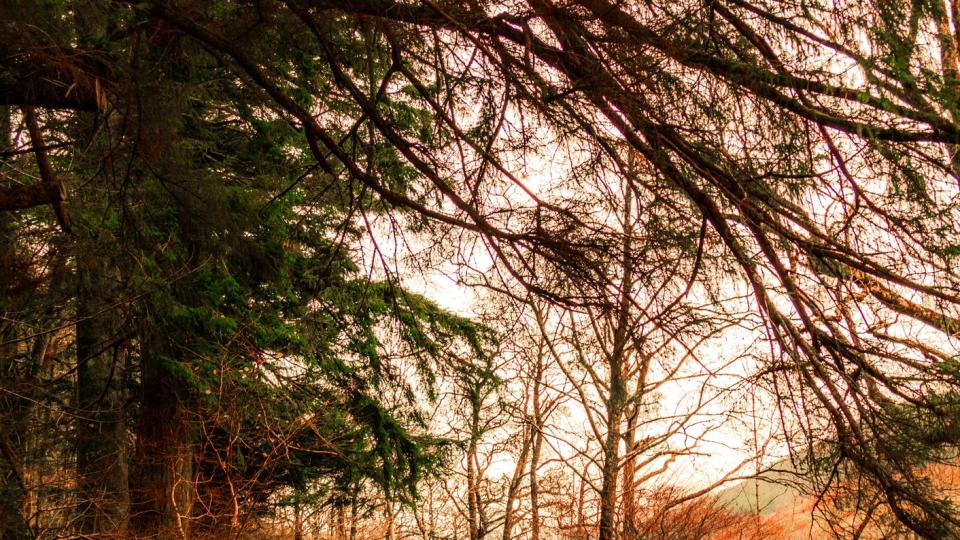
point(532, 269)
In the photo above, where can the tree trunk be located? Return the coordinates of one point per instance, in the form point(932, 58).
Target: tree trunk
point(431, 519)
point(391, 532)
point(535, 487)
point(13, 488)
point(611, 447)
point(537, 441)
point(629, 495)
point(608, 490)
point(297, 521)
point(508, 513)
point(353, 516)
point(162, 478)
point(342, 522)
point(617, 398)
point(473, 502)
point(101, 434)
point(581, 501)
point(13, 492)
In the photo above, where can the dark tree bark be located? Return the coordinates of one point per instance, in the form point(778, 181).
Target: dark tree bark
point(13, 412)
point(13, 525)
point(47, 89)
point(161, 480)
point(101, 432)
point(22, 197)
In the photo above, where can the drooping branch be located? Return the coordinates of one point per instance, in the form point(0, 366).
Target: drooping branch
point(53, 187)
point(21, 197)
point(50, 89)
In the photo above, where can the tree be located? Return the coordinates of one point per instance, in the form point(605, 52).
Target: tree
point(196, 261)
point(598, 63)
point(814, 145)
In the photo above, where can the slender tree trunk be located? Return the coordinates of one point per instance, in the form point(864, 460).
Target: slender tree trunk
point(431, 519)
point(950, 64)
point(297, 522)
point(535, 486)
point(617, 398)
point(629, 495)
point(473, 502)
point(608, 490)
point(611, 449)
point(101, 434)
point(162, 477)
point(513, 488)
point(581, 500)
point(342, 522)
point(391, 532)
point(353, 517)
point(537, 441)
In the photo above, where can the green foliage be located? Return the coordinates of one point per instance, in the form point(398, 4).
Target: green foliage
point(232, 254)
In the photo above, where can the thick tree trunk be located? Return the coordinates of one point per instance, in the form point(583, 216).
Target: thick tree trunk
point(161, 487)
point(13, 525)
point(13, 491)
point(101, 434)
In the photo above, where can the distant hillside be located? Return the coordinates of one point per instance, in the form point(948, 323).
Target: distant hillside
point(763, 495)
point(778, 497)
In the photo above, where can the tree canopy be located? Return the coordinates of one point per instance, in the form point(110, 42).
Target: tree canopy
point(205, 206)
